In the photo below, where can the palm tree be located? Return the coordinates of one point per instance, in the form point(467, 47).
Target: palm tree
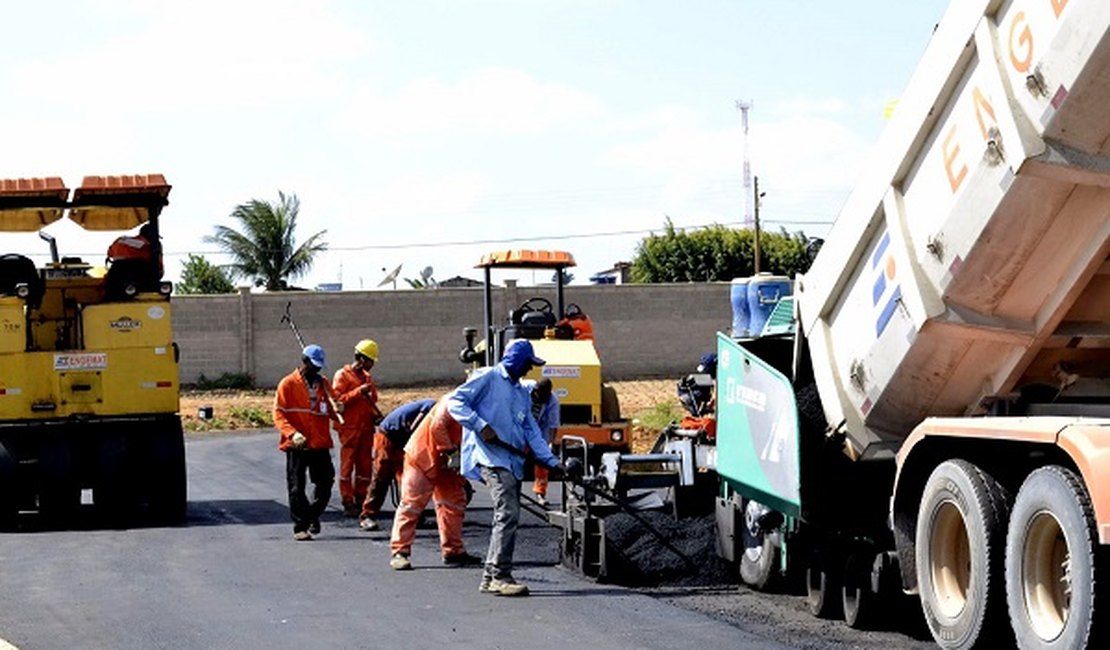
point(266, 250)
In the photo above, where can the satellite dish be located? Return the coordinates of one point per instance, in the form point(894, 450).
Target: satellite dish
point(392, 277)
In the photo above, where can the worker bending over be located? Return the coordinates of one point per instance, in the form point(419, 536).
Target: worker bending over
point(358, 394)
point(431, 471)
point(495, 410)
point(301, 415)
point(545, 409)
point(389, 455)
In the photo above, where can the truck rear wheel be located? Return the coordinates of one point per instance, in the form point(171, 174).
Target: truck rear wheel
point(822, 587)
point(1054, 576)
point(861, 602)
point(959, 543)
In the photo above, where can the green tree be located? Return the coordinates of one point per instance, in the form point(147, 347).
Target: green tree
point(716, 253)
point(266, 251)
point(201, 276)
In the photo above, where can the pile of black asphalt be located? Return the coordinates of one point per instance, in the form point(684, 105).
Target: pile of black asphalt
point(684, 553)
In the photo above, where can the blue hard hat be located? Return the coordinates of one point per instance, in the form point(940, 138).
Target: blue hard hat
point(315, 355)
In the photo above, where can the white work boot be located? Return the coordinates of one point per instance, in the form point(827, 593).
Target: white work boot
point(400, 562)
point(507, 587)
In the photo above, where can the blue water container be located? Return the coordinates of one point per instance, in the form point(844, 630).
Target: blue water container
point(741, 315)
point(764, 292)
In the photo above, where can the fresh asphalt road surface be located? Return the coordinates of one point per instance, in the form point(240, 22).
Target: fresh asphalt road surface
point(233, 577)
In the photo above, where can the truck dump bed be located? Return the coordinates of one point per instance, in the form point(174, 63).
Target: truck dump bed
point(971, 261)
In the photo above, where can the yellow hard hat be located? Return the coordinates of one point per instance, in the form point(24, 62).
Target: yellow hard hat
point(368, 349)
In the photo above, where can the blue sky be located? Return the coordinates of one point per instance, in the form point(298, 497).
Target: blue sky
point(425, 133)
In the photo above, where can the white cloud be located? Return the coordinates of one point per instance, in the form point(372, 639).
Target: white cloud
point(493, 100)
point(201, 55)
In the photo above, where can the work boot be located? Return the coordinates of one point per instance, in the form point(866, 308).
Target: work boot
point(314, 527)
point(368, 524)
point(461, 559)
point(507, 587)
point(400, 562)
point(350, 510)
point(541, 500)
point(483, 586)
point(302, 536)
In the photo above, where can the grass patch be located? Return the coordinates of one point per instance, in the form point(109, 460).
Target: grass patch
point(228, 380)
point(254, 416)
point(659, 416)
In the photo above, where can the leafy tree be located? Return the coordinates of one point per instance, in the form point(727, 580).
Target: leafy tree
point(716, 253)
point(201, 276)
point(266, 251)
point(568, 277)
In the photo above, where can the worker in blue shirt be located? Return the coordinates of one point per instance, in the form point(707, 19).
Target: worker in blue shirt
point(495, 411)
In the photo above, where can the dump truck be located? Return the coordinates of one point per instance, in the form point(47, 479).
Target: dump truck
point(88, 367)
point(937, 420)
point(588, 407)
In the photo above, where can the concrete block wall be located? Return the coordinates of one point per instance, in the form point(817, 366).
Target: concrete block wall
point(641, 330)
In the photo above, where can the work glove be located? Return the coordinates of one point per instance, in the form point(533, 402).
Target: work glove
point(451, 460)
point(298, 440)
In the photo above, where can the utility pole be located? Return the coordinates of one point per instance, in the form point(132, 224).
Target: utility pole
point(755, 199)
point(744, 107)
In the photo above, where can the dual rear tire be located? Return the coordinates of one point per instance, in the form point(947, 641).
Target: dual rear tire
point(1035, 568)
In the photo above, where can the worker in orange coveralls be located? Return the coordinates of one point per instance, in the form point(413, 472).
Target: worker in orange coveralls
point(579, 322)
point(358, 394)
point(301, 413)
point(144, 247)
point(431, 471)
point(393, 434)
point(545, 408)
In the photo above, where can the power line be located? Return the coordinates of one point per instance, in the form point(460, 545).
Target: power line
point(506, 240)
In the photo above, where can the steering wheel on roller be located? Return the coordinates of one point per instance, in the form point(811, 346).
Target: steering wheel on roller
point(536, 304)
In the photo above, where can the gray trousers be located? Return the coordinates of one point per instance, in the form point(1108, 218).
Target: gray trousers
point(504, 491)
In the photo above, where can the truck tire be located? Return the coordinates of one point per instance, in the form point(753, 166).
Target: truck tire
point(1055, 576)
point(759, 555)
point(822, 587)
point(861, 602)
point(959, 552)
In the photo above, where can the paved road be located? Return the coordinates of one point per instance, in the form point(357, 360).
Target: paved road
point(233, 578)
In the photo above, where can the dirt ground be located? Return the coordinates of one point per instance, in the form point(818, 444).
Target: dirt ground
point(234, 410)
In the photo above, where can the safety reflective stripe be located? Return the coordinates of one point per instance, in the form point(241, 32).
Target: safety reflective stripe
point(287, 409)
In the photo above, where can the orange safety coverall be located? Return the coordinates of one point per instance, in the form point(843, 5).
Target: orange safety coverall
point(426, 476)
point(581, 324)
point(294, 411)
point(388, 463)
point(356, 434)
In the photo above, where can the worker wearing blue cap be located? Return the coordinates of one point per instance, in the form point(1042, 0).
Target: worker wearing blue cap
point(302, 415)
point(495, 411)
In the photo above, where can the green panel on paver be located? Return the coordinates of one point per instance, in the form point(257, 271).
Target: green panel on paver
point(757, 429)
point(781, 320)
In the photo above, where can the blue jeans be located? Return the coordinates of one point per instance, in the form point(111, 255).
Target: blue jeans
point(504, 491)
